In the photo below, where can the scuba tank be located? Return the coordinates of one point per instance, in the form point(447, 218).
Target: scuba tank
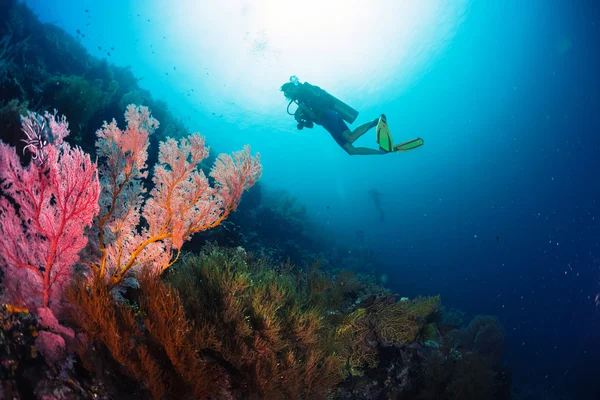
point(347, 113)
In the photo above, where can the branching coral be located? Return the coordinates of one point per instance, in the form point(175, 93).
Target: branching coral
point(133, 231)
point(44, 209)
point(219, 323)
point(156, 346)
point(273, 339)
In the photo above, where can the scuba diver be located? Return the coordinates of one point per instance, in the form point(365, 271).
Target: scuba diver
point(316, 106)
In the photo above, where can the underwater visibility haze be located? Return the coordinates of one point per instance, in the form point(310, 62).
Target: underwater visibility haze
point(471, 263)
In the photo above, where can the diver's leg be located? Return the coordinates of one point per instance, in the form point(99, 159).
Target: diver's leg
point(358, 132)
point(362, 151)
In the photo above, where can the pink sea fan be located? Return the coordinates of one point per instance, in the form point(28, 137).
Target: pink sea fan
point(236, 174)
point(56, 198)
point(181, 203)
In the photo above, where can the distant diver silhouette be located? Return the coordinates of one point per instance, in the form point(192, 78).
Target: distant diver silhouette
point(374, 195)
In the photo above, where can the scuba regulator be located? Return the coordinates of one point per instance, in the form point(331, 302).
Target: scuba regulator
point(302, 119)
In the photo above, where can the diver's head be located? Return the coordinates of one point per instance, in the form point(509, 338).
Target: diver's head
point(290, 90)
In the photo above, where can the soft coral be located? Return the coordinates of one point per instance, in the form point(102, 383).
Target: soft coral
point(56, 197)
point(181, 203)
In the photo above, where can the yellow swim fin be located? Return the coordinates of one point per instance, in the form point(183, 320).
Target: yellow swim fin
point(384, 136)
point(386, 142)
point(409, 145)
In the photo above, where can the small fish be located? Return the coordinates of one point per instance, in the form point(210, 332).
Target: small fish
point(175, 69)
point(148, 19)
point(99, 47)
point(327, 207)
point(192, 90)
point(497, 239)
point(112, 48)
point(87, 10)
point(78, 31)
point(166, 73)
point(108, 53)
point(82, 35)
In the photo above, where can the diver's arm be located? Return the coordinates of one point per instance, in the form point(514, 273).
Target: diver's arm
point(309, 113)
point(303, 119)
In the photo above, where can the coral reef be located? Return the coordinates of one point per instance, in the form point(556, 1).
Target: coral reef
point(23, 372)
point(466, 363)
point(219, 326)
point(226, 324)
point(399, 375)
point(294, 315)
point(273, 331)
point(382, 321)
point(151, 344)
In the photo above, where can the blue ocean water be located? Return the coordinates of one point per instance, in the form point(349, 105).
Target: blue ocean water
point(497, 212)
